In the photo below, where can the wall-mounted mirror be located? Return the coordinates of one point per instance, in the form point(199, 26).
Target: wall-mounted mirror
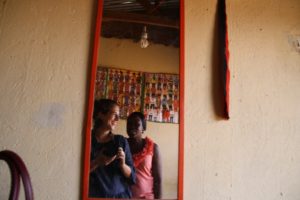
point(143, 41)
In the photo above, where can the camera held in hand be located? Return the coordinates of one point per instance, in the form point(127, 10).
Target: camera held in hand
point(111, 150)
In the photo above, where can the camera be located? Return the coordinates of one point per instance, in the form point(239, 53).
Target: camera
point(111, 150)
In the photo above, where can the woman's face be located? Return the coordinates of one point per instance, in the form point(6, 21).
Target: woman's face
point(135, 127)
point(110, 119)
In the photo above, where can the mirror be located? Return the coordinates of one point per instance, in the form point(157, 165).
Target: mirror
point(143, 40)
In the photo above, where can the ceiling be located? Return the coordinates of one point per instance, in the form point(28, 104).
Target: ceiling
point(125, 19)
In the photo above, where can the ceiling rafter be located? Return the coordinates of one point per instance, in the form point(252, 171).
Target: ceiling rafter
point(139, 18)
point(125, 19)
point(150, 8)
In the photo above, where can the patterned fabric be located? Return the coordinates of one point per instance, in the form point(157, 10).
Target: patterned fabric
point(224, 55)
point(148, 149)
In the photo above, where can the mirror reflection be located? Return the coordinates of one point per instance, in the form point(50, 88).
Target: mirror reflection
point(134, 147)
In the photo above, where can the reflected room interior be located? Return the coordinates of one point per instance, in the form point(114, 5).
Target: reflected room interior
point(143, 36)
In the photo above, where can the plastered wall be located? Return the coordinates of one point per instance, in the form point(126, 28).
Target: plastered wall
point(254, 155)
point(44, 60)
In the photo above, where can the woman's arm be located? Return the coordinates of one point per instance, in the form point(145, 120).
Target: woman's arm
point(128, 168)
point(157, 173)
point(123, 166)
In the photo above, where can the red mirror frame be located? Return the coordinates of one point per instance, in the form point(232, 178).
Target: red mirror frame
point(87, 150)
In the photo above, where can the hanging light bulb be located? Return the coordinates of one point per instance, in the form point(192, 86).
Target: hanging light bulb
point(144, 38)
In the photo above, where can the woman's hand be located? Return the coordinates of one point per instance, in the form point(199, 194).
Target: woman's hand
point(101, 160)
point(104, 159)
point(121, 156)
point(124, 167)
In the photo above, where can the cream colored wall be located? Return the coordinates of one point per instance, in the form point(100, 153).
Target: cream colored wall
point(125, 54)
point(255, 154)
point(44, 56)
point(129, 55)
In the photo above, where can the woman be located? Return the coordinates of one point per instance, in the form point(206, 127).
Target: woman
point(146, 157)
point(111, 167)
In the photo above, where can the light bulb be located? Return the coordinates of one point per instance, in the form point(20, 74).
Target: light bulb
point(144, 43)
point(144, 38)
